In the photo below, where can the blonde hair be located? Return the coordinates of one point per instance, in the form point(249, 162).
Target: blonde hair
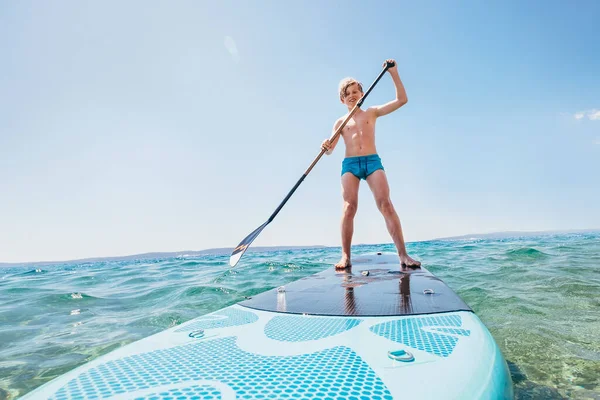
point(347, 82)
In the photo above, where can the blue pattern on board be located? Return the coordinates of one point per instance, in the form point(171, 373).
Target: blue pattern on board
point(301, 328)
point(336, 372)
point(205, 392)
point(227, 317)
point(411, 332)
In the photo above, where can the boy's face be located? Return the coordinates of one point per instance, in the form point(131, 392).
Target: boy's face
point(353, 95)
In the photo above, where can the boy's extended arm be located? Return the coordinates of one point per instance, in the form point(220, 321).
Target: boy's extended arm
point(401, 98)
point(334, 143)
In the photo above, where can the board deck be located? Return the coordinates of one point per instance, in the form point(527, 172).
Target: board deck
point(416, 347)
point(375, 286)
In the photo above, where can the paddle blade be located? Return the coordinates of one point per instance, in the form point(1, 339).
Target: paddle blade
point(239, 251)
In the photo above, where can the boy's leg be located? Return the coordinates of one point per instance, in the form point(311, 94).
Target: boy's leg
point(350, 184)
point(381, 191)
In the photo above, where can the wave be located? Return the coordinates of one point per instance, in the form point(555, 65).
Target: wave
point(73, 296)
point(33, 272)
point(526, 252)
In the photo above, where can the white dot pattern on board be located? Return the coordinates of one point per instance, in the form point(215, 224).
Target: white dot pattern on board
point(303, 328)
point(410, 332)
point(205, 392)
point(221, 319)
point(462, 332)
point(333, 373)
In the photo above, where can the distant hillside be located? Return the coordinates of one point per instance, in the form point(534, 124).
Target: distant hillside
point(512, 234)
point(150, 256)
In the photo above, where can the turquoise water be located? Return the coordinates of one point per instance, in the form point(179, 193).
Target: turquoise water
point(539, 297)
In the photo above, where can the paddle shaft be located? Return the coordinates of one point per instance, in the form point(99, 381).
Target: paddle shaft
point(338, 131)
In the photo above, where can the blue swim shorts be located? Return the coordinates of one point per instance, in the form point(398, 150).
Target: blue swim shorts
point(361, 166)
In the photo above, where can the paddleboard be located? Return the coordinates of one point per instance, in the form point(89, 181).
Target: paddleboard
point(375, 332)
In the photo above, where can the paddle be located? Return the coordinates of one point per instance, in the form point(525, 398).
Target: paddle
point(239, 251)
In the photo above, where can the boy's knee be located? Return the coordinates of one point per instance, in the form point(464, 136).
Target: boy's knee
point(385, 206)
point(350, 208)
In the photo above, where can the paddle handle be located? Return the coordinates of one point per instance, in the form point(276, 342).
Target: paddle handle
point(338, 131)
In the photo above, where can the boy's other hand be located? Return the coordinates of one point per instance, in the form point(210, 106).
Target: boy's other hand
point(391, 69)
point(326, 146)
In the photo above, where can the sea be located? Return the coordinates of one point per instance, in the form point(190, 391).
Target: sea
point(538, 295)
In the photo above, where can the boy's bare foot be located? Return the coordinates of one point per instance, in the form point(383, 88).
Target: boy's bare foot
point(406, 261)
point(343, 263)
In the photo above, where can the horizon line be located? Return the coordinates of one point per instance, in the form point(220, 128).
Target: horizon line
point(226, 250)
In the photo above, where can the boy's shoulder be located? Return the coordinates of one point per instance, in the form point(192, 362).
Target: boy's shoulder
point(341, 119)
point(370, 110)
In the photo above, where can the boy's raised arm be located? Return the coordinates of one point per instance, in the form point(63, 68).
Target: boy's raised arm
point(401, 98)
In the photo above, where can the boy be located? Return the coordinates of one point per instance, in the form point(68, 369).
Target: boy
point(362, 162)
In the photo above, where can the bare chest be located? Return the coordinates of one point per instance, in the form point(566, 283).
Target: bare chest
point(360, 125)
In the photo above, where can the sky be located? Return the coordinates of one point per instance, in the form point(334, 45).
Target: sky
point(143, 126)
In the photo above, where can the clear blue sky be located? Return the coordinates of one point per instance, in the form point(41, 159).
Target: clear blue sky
point(141, 126)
